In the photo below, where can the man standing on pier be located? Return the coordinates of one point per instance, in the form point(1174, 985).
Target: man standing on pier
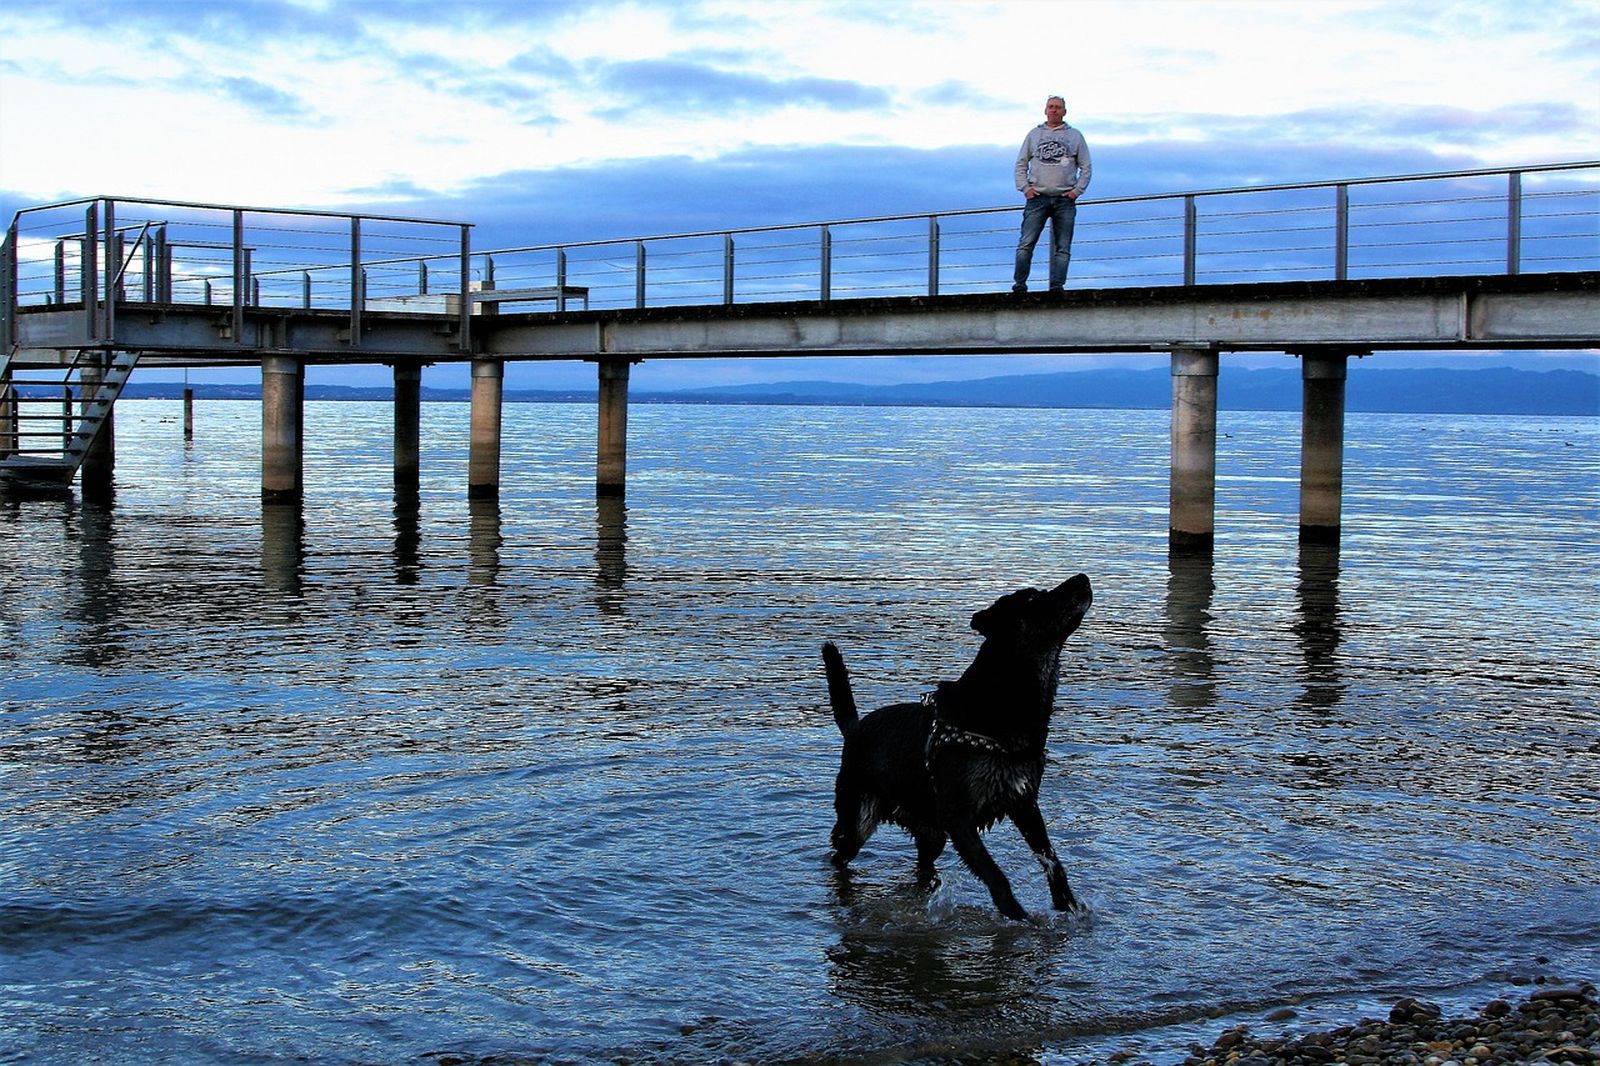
point(1052, 172)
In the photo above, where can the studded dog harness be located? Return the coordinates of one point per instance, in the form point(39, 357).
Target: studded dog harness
point(944, 733)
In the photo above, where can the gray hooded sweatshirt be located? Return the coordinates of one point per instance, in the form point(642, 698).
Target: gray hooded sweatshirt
point(1053, 160)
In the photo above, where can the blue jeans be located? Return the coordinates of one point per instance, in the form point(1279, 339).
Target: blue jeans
point(1062, 212)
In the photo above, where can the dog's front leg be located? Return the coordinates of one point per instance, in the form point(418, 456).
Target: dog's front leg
point(1026, 817)
point(969, 845)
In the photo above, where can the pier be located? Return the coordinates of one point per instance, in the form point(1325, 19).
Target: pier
point(92, 289)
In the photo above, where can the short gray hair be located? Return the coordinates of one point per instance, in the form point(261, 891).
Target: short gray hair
point(1063, 100)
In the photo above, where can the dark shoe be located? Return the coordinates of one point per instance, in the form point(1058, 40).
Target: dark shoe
point(1019, 288)
point(1057, 288)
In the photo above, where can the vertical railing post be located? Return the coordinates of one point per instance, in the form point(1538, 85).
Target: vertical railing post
point(933, 255)
point(464, 340)
point(61, 272)
point(1341, 233)
point(638, 273)
point(305, 289)
point(88, 275)
point(1514, 222)
point(110, 272)
point(357, 293)
point(422, 277)
point(727, 269)
point(148, 264)
point(163, 267)
point(252, 284)
point(240, 276)
point(488, 271)
point(1189, 242)
point(825, 282)
point(561, 279)
point(8, 302)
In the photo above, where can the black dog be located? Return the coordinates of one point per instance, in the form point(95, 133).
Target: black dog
point(969, 754)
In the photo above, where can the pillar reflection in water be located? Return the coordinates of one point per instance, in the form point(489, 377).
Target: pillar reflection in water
point(283, 546)
point(101, 604)
point(1190, 586)
point(611, 551)
point(1319, 626)
point(407, 535)
point(483, 540)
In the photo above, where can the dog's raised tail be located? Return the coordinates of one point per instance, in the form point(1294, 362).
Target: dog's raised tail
point(839, 694)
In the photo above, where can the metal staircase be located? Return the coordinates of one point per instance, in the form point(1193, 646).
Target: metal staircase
point(54, 403)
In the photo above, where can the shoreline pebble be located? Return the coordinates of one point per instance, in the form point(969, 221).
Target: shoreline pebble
point(1552, 1025)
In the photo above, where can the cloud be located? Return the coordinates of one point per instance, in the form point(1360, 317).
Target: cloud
point(675, 84)
point(265, 99)
point(750, 188)
point(345, 23)
point(231, 24)
point(960, 94)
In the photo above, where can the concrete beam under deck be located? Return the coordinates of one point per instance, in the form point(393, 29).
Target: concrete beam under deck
point(1432, 313)
point(198, 335)
point(1559, 310)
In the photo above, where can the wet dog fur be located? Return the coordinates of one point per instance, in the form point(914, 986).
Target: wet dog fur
point(971, 753)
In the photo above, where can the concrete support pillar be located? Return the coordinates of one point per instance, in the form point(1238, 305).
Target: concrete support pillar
point(483, 453)
point(407, 426)
point(1193, 497)
point(283, 382)
point(1321, 445)
point(99, 462)
point(611, 470)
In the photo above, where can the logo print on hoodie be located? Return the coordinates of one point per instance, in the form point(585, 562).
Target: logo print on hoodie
point(1051, 152)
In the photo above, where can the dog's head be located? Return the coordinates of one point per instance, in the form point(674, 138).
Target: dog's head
point(1036, 618)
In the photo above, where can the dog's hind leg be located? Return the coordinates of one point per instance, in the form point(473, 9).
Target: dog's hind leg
point(1026, 817)
point(969, 845)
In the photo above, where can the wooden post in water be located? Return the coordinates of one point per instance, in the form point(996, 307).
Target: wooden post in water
point(483, 450)
point(188, 413)
point(407, 426)
point(1192, 503)
point(611, 468)
point(100, 460)
point(1322, 377)
point(283, 380)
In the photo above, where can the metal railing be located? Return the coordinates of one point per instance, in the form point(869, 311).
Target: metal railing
point(104, 253)
point(1508, 220)
point(1542, 218)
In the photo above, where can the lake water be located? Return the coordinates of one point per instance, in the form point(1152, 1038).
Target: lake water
point(546, 780)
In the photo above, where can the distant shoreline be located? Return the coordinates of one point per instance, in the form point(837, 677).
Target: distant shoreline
point(1494, 391)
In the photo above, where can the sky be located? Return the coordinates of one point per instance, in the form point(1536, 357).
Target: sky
point(561, 120)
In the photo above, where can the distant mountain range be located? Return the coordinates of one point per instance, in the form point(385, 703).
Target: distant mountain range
point(1499, 390)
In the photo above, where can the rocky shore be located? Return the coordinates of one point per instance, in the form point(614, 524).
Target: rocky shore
point(1552, 1025)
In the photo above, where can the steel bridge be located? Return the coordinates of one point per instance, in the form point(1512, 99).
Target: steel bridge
point(90, 289)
